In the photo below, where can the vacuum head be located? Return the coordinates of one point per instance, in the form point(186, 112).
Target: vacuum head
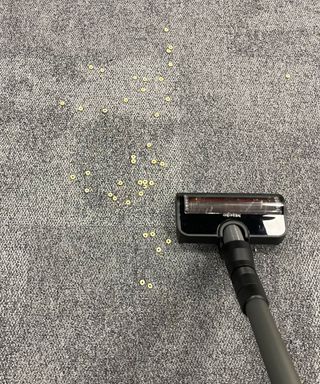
point(202, 217)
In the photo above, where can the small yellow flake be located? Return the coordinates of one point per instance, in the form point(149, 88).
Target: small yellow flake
point(125, 100)
point(90, 66)
point(166, 29)
point(72, 177)
point(145, 79)
point(135, 77)
point(170, 64)
point(150, 285)
point(156, 114)
point(170, 46)
point(168, 50)
point(168, 241)
point(62, 103)
point(102, 70)
point(160, 78)
point(142, 89)
point(142, 282)
point(145, 235)
point(167, 98)
point(288, 76)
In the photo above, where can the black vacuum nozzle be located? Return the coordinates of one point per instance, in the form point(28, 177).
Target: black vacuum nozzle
point(202, 217)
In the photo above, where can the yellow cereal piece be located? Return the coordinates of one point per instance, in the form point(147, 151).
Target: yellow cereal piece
point(142, 89)
point(170, 64)
point(135, 77)
point(162, 164)
point(87, 173)
point(170, 46)
point(80, 108)
point(145, 182)
point(140, 182)
point(62, 103)
point(156, 114)
point(127, 202)
point(158, 250)
point(150, 285)
point(152, 233)
point(145, 79)
point(145, 235)
point(149, 145)
point(166, 29)
point(168, 241)
point(168, 50)
point(142, 282)
point(87, 190)
point(125, 100)
point(160, 78)
point(133, 161)
point(102, 70)
point(154, 161)
point(72, 177)
point(104, 110)
point(167, 98)
point(140, 193)
point(120, 183)
point(114, 198)
point(151, 182)
point(90, 66)
point(133, 156)
point(288, 76)
point(110, 194)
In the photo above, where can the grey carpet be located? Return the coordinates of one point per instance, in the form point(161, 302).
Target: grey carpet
point(71, 306)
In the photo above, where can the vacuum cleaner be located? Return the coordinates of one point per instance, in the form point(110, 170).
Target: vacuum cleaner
point(233, 221)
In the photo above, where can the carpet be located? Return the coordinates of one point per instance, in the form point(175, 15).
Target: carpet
point(97, 99)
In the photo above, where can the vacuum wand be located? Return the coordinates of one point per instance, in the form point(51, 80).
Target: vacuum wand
point(232, 221)
point(273, 351)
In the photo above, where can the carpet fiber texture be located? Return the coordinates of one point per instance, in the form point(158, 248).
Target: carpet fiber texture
point(232, 106)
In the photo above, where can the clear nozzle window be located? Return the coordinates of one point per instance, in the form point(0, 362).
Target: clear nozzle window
point(232, 205)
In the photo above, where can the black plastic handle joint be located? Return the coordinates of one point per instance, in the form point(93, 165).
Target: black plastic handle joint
point(238, 258)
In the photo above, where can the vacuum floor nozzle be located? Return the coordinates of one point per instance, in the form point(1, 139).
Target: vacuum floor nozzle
point(201, 216)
